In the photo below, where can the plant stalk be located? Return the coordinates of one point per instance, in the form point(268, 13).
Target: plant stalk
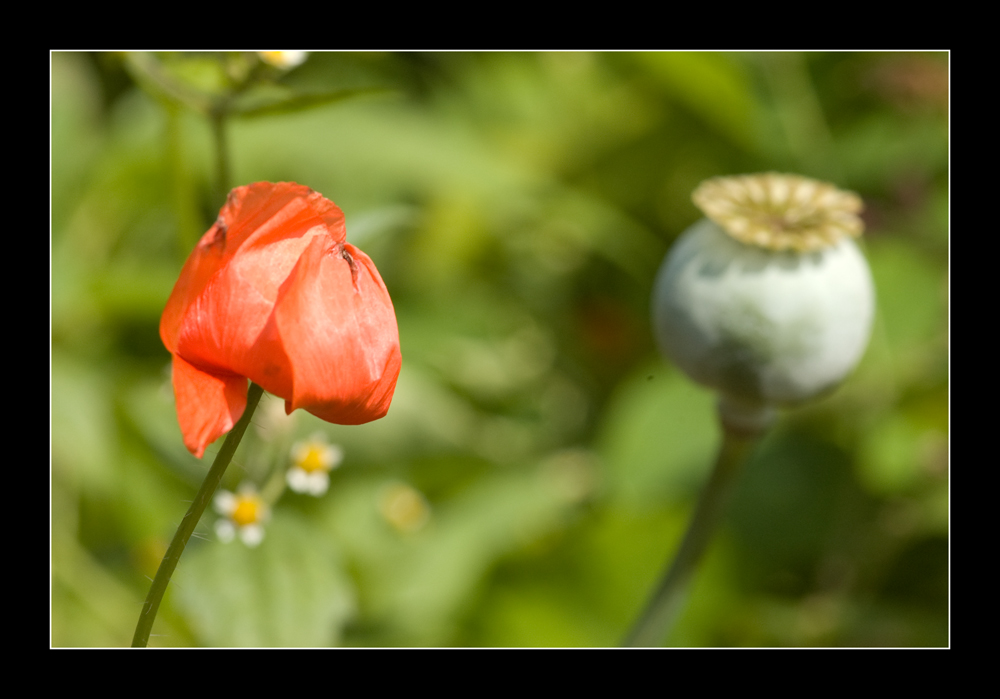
point(667, 602)
point(220, 136)
point(152, 604)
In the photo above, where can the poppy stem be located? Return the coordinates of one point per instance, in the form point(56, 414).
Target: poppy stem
point(667, 602)
point(190, 521)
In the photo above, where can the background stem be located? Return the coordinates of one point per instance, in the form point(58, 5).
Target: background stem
point(667, 601)
point(190, 521)
point(222, 182)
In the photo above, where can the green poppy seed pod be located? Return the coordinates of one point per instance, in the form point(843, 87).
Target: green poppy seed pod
point(768, 300)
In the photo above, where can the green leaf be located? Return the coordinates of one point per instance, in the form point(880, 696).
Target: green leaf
point(289, 591)
point(713, 86)
point(267, 100)
point(418, 584)
point(659, 437)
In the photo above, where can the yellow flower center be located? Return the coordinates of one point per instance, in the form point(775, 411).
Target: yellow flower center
point(249, 509)
point(313, 460)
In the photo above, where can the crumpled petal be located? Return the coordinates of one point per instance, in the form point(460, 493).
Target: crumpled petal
point(273, 293)
point(344, 356)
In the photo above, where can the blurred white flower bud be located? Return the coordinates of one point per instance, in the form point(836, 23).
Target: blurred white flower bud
point(286, 60)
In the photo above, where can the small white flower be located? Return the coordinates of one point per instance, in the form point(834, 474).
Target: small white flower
point(283, 59)
point(244, 513)
point(312, 461)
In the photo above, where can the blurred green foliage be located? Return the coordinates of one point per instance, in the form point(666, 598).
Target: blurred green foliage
point(517, 206)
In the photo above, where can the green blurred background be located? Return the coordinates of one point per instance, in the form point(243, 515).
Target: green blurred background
point(518, 206)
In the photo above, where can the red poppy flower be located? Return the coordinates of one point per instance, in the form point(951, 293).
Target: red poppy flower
point(274, 293)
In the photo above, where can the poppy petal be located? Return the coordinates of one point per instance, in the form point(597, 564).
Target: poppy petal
point(337, 326)
point(199, 269)
point(208, 405)
point(263, 212)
